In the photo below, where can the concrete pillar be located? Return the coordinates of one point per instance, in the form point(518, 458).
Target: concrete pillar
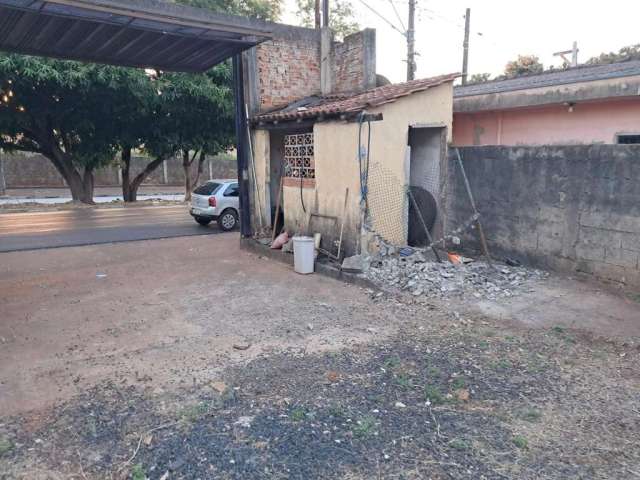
point(326, 61)
point(3, 183)
point(165, 172)
point(369, 57)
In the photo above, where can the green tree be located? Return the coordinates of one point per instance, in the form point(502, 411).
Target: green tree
point(341, 16)
point(195, 118)
point(176, 113)
point(261, 9)
point(57, 109)
point(523, 65)
point(625, 54)
point(479, 78)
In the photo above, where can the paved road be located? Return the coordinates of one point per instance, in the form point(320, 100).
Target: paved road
point(36, 230)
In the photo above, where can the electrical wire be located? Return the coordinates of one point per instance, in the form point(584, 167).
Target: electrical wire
point(404, 34)
point(393, 5)
point(304, 209)
point(364, 169)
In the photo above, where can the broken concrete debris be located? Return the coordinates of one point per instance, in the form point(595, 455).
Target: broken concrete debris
point(354, 264)
point(419, 276)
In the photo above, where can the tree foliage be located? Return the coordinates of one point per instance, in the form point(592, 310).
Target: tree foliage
point(523, 65)
point(261, 9)
point(341, 16)
point(59, 109)
point(80, 115)
point(479, 78)
point(625, 54)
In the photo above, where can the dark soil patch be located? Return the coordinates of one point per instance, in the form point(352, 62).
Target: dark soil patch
point(474, 403)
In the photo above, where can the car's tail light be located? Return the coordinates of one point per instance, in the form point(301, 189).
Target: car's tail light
point(212, 201)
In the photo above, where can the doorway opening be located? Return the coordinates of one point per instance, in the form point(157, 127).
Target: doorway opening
point(278, 173)
point(427, 147)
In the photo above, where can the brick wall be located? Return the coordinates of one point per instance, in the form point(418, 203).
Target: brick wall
point(288, 67)
point(352, 62)
point(34, 170)
point(570, 208)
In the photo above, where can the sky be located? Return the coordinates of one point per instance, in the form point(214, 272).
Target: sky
point(500, 31)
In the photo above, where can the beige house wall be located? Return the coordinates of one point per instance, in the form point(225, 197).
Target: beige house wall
point(336, 147)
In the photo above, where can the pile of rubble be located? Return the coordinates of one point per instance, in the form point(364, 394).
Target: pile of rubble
point(473, 280)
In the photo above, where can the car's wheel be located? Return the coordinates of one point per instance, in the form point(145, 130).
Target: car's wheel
point(203, 221)
point(228, 220)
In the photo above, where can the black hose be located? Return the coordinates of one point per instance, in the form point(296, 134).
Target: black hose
point(364, 170)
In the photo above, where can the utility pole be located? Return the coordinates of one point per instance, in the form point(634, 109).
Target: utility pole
point(465, 46)
point(411, 41)
point(574, 56)
point(317, 22)
point(325, 13)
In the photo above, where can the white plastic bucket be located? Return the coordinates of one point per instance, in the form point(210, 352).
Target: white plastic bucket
point(303, 254)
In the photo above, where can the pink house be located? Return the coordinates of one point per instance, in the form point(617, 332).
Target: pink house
point(583, 105)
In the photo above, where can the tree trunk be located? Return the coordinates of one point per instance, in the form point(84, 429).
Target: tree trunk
point(148, 169)
point(64, 164)
point(3, 183)
point(125, 166)
point(186, 166)
point(201, 160)
point(87, 182)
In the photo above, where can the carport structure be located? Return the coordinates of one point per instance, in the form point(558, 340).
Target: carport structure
point(142, 34)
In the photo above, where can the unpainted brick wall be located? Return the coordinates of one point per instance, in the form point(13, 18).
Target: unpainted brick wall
point(569, 208)
point(288, 69)
point(34, 170)
point(349, 63)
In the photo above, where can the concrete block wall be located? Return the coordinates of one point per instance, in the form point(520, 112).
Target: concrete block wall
point(34, 170)
point(569, 208)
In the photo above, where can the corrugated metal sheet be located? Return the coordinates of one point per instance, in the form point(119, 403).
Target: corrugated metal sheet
point(136, 33)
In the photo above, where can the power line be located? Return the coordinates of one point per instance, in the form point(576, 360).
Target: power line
point(393, 4)
point(403, 33)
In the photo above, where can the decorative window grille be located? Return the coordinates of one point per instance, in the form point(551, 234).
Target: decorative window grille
point(298, 156)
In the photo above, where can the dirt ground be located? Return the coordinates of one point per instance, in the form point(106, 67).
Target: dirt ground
point(188, 358)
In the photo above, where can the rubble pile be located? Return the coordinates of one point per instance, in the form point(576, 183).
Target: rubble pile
point(474, 280)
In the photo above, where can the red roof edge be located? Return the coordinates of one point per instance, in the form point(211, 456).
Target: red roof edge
point(330, 106)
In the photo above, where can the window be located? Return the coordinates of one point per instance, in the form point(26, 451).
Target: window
point(232, 191)
point(208, 188)
point(629, 138)
point(299, 164)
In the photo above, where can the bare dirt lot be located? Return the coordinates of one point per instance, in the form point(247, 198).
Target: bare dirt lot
point(188, 358)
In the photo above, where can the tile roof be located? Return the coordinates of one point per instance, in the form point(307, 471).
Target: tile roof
point(585, 73)
point(339, 104)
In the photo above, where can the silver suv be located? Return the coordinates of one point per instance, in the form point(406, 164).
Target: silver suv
point(216, 200)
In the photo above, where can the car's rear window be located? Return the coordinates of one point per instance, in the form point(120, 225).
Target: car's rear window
point(208, 188)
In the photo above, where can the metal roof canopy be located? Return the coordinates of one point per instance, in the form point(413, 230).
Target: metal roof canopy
point(133, 33)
